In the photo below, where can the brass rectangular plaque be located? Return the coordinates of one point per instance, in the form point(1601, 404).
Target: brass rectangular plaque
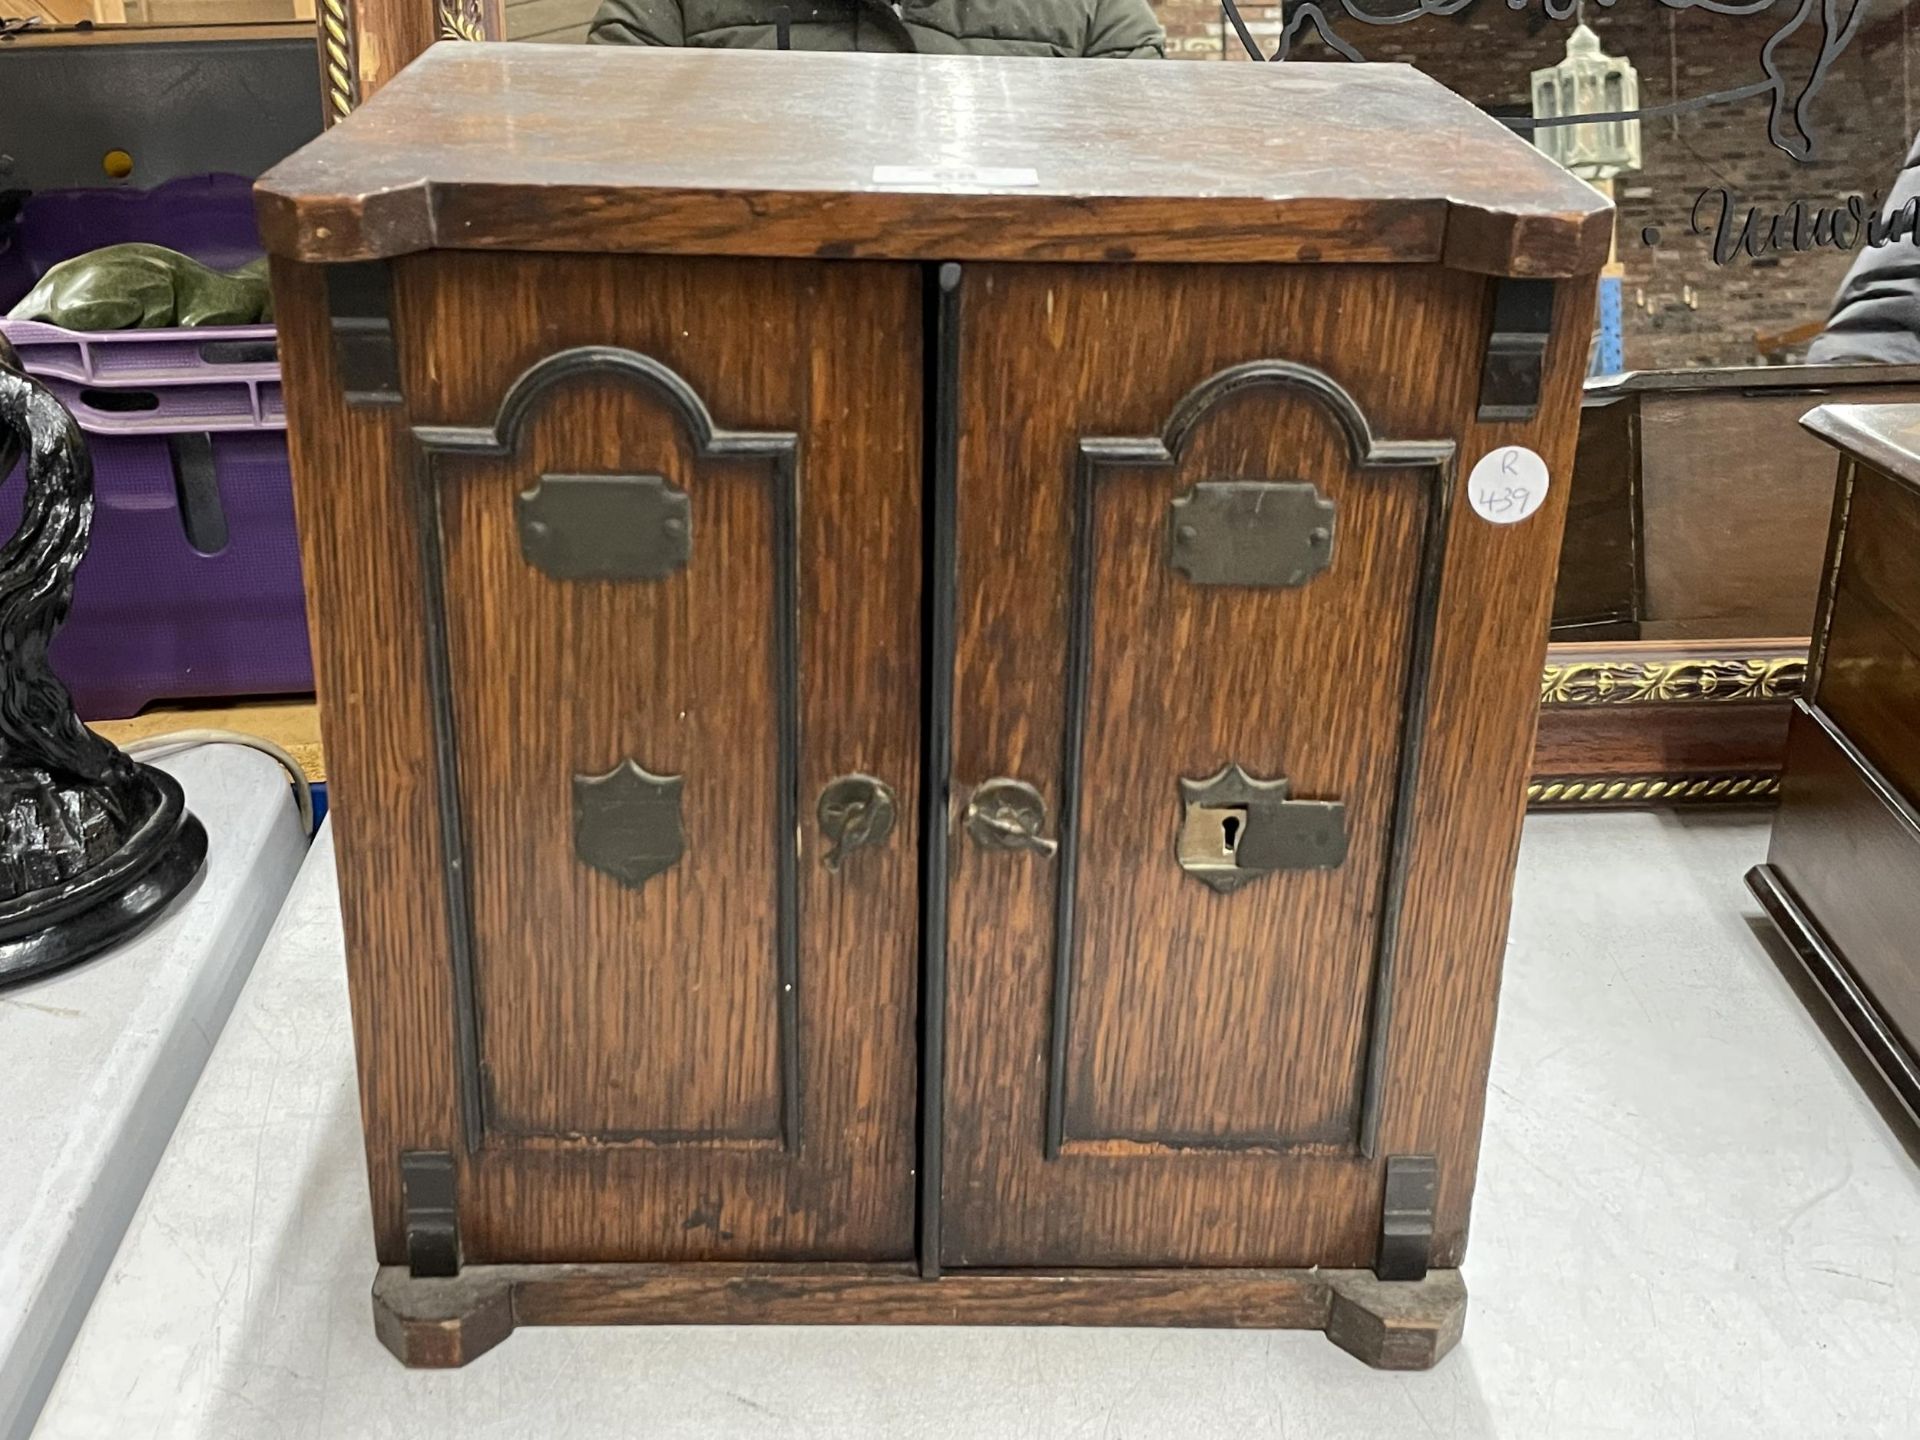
point(605, 527)
point(1250, 532)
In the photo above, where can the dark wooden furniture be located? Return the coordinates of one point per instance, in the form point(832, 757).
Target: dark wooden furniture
point(925, 724)
point(1842, 878)
point(1687, 581)
point(1699, 501)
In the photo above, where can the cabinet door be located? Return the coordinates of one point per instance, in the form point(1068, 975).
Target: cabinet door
point(669, 524)
point(1219, 610)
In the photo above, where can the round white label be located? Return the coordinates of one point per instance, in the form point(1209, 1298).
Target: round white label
point(1507, 485)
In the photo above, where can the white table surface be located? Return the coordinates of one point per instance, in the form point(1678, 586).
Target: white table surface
point(97, 1062)
point(1691, 1222)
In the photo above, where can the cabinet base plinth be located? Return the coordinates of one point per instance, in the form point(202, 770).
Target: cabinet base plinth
point(444, 1323)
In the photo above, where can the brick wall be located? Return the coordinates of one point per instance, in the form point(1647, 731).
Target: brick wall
point(1681, 308)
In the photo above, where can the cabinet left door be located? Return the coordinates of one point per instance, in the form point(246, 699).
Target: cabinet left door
point(614, 567)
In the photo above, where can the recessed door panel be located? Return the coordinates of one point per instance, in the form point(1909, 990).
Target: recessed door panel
point(1200, 550)
point(1224, 1002)
point(671, 516)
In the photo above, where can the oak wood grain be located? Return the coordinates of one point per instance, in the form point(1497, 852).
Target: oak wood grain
point(631, 1041)
point(1201, 1018)
point(536, 147)
point(628, 1037)
point(445, 1323)
point(366, 594)
point(1057, 354)
point(441, 1323)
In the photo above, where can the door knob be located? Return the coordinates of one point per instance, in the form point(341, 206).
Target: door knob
point(1009, 815)
point(855, 811)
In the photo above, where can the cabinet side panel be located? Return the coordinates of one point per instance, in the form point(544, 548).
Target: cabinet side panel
point(358, 537)
point(1491, 639)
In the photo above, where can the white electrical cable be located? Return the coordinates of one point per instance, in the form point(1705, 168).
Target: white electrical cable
point(167, 744)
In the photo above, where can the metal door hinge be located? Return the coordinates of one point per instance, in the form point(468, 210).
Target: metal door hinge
point(360, 304)
point(1515, 361)
point(1250, 532)
point(1406, 1218)
point(432, 1214)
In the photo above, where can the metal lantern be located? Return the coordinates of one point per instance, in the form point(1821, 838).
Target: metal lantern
point(1588, 82)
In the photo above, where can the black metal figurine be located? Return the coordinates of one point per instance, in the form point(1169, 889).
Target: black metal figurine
point(92, 845)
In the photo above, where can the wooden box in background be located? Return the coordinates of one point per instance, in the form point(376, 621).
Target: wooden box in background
point(1700, 503)
point(927, 717)
point(1687, 582)
point(1842, 878)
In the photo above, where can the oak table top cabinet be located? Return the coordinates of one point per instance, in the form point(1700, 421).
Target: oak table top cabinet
point(1842, 877)
point(925, 724)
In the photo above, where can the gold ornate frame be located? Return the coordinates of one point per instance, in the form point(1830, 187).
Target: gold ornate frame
point(364, 43)
point(1663, 723)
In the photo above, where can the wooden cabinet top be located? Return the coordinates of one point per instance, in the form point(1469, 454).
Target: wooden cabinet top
point(1887, 437)
point(551, 147)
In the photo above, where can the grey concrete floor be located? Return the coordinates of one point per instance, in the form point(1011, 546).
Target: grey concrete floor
point(1692, 1221)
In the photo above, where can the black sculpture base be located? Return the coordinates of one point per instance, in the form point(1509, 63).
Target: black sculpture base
point(103, 892)
point(92, 845)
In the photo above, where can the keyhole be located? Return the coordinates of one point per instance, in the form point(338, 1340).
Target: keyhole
point(1230, 831)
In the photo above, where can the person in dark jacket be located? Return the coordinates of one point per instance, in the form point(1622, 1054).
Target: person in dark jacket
point(1108, 29)
point(1876, 315)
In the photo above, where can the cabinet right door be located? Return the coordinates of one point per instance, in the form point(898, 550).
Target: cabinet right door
point(1243, 697)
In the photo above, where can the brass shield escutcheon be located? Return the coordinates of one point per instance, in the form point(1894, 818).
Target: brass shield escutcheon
point(1235, 828)
point(626, 823)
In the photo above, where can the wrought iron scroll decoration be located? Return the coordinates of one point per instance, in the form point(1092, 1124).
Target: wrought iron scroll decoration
point(1789, 109)
point(1165, 450)
point(501, 440)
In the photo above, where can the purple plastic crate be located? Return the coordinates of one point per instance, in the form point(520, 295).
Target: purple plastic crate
point(168, 409)
point(156, 619)
point(174, 418)
point(209, 217)
point(154, 357)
